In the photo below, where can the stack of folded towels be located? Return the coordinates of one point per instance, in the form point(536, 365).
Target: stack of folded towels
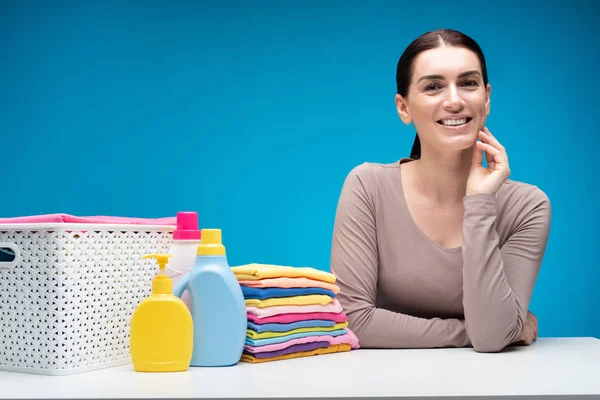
point(292, 312)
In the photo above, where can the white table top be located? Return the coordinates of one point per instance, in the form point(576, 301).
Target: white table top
point(563, 366)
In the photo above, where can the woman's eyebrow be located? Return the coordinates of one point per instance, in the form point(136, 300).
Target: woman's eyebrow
point(462, 75)
point(469, 73)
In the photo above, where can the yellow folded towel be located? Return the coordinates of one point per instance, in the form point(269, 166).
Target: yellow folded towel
point(269, 334)
point(335, 348)
point(260, 271)
point(306, 300)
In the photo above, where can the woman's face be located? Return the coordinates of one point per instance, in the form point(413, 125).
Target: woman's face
point(447, 100)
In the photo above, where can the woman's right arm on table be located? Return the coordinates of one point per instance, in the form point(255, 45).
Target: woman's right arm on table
point(354, 262)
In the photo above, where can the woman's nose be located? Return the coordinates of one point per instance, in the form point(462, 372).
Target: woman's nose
point(453, 101)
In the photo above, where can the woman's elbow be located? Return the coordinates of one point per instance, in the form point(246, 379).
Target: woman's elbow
point(488, 345)
point(364, 339)
point(358, 323)
point(488, 341)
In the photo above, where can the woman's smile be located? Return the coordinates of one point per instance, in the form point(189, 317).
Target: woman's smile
point(456, 124)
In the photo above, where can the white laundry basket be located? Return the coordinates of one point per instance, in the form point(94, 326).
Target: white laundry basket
point(67, 297)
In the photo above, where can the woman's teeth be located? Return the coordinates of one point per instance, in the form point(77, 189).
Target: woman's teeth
point(454, 122)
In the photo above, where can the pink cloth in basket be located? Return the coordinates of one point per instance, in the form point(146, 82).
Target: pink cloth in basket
point(71, 219)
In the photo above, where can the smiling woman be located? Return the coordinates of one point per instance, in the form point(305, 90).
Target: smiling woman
point(437, 250)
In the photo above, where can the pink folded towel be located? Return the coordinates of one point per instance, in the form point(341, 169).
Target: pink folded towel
point(333, 307)
point(71, 219)
point(297, 317)
point(349, 338)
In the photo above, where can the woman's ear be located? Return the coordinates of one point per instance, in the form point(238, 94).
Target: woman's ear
point(402, 109)
point(488, 91)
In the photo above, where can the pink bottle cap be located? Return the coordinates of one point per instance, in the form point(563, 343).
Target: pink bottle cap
point(187, 226)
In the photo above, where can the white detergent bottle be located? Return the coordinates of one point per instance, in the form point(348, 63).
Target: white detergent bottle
point(186, 239)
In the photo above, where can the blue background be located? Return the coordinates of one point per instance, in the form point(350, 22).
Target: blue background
point(252, 115)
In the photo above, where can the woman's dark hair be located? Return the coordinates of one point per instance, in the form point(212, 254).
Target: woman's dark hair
point(428, 41)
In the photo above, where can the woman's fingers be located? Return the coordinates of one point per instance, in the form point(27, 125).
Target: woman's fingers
point(489, 149)
point(535, 326)
point(477, 156)
point(491, 139)
point(531, 334)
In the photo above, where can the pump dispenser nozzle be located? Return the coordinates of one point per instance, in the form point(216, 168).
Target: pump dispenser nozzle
point(162, 283)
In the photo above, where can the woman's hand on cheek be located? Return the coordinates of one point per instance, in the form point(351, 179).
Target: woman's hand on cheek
point(488, 180)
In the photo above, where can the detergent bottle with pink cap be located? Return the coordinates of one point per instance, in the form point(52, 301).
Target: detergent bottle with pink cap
point(186, 239)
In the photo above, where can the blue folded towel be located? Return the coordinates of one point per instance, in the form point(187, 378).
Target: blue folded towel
point(267, 293)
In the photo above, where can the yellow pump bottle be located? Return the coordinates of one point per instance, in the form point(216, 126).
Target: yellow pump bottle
point(161, 330)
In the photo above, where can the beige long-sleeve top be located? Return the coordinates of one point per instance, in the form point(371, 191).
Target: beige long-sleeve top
point(401, 289)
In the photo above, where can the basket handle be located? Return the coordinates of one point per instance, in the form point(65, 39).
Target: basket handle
point(9, 255)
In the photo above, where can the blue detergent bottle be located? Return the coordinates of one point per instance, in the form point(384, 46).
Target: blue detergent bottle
point(217, 305)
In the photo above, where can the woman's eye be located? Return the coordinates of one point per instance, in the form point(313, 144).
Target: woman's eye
point(471, 83)
point(432, 86)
